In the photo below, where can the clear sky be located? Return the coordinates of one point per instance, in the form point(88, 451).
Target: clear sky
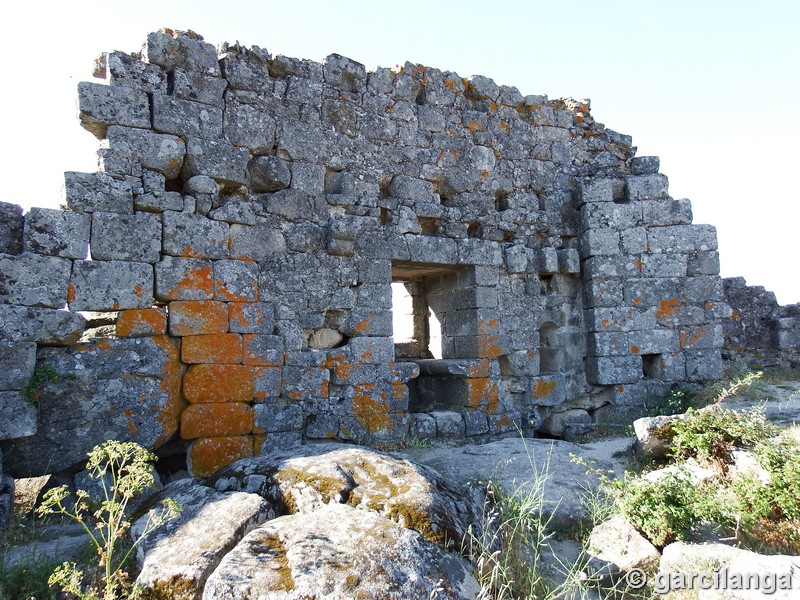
point(707, 85)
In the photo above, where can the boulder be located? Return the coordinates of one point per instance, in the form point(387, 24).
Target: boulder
point(124, 389)
point(617, 543)
point(517, 464)
point(654, 434)
point(339, 552)
point(177, 557)
point(304, 479)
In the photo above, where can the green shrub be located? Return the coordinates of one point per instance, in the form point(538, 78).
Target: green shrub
point(713, 433)
point(669, 508)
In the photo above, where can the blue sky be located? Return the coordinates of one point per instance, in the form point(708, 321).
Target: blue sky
point(709, 86)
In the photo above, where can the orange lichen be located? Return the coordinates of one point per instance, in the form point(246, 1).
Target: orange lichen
point(194, 317)
point(171, 376)
point(668, 308)
point(141, 322)
point(484, 174)
point(639, 265)
point(340, 366)
point(219, 383)
point(139, 291)
point(364, 325)
point(197, 281)
point(207, 455)
point(71, 293)
point(542, 388)
point(212, 348)
point(634, 349)
point(474, 127)
point(371, 412)
point(217, 419)
point(487, 339)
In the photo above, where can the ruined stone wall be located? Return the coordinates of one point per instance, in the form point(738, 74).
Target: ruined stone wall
point(760, 333)
point(234, 255)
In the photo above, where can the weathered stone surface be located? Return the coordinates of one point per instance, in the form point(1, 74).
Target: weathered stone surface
point(186, 118)
point(194, 86)
point(171, 51)
point(310, 477)
point(248, 127)
point(617, 543)
point(160, 152)
point(68, 547)
point(255, 317)
point(514, 463)
point(89, 192)
point(110, 285)
point(195, 317)
point(236, 281)
point(258, 242)
point(193, 236)
point(19, 418)
point(212, 348)
point(217, 159)
point(216, 419)
point(126, 389)
point(654, 434)
point(177, 558)
point(128, 71)
point(268, 174)
point(138, 322)
point(34, 280)
point(183, 279)
point(104, 105)
point(558, 422)
point(17, 361)
point(291, 557)
point(11, 228)
point(45, 326)
point(135, 238)
point(219, 383)
point(57, 233)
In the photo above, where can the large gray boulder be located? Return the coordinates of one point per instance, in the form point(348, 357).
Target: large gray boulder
point(621, 548)
point(121, 389)
point(309, 477)
point(177, 558)
point(339, 552)
point(519, 465)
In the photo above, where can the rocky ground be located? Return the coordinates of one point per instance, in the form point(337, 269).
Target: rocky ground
point(339, 521)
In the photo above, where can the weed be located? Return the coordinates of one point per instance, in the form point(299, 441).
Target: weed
point(123, 470)
point(44, 374)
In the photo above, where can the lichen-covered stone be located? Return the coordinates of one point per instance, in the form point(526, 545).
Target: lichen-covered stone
point(162, 153)
point(19, 419)
point(268, 174)
point(375, 558)
point(34, 280)
point(217, 159)
point(17, 362)
point(183, 279)
point(176, 50)
point(219, 383)
point(177, 558)
point(46, 326)
point(104, 105)
point(57, 233)
point(188, 235)
point(125, 389)
point(90, 192)
point(110, 285)
point(11, 228)
point(135, 238)
point(306, 479)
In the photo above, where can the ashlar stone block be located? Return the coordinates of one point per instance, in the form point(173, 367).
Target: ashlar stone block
point(189, 235)
point(57, 233)
point(34, 280)
point(104, 105)
point(110, 285)
point(135, 238)
point(159, 152)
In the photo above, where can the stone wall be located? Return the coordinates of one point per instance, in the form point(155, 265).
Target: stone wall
point(234, 256)
point(760, 333)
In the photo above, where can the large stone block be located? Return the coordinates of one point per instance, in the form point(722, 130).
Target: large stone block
point(704, 365)
point(184, 279)
point(219, 383)
point(610, 370)
point(248, 127)
point(217, 159)
point(194, 86)
point(344, 73)
point(163, 153)
point(90, 192)
point(17, 362)
point(46, 326)
point(135, 238)
point(256, 242)
point(302, 141)
point(139, 322)
point(57, 233)
point(34, 280)
point(235, 281)
point(216, 419)
point(196, 317)
point(11, 228)
point(122, 389)
point(247, 71)
point(188, 235)
point(19, 421)
point(104, 105)
point(171, 51)
point(646, 187)
point(186, 118)
point(224, 348)
point(125, 70)
point(278, 416)
point(264, 350)
point(411, 189)
point(268, 386)
point(110, 285)
point(247, 317)
point(268, 174)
